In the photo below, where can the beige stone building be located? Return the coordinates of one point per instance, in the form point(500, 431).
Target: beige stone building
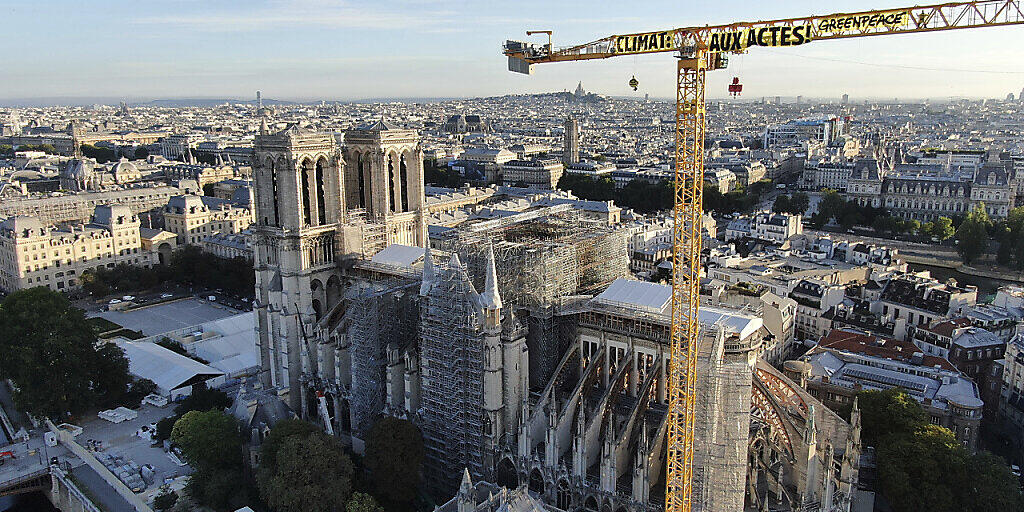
point(542, 174)
point(202, 174)
point(193, 218)
point(34, 254)
point(229, 245)
point(78, 207)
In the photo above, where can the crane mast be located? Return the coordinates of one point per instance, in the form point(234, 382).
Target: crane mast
point(699, 50)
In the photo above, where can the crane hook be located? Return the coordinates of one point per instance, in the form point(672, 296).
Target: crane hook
point(633, 82)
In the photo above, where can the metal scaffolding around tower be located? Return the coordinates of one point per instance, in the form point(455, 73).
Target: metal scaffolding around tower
point(452, 362)
point(542, 255)
point(377, 317)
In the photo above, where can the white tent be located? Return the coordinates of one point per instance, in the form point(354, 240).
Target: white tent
point(229, 344)
point(173, 373)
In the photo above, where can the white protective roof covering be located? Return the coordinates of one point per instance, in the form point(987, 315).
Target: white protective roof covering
point(400, 255)
point(238, 364)
point(168, 369)
point(650, 297)
point(730, 321)
point(234, 351)
point(657, 298)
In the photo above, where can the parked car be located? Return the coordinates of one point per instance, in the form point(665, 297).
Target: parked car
point(115, 301)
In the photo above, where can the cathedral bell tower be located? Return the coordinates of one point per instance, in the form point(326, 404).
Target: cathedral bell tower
point(299, 194)
point(384, 182)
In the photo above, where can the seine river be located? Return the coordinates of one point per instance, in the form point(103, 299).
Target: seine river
point(986, 286)
point(33, 502)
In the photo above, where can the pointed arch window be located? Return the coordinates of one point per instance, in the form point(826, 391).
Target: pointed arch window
point(304, 186)
point(321, 204)
point(362, 180)
point(404, 176)
point(393, 196)
point(274, 191)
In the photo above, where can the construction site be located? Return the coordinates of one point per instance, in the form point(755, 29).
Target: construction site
point(524, 351)
point(517, 341)
point(528, 357)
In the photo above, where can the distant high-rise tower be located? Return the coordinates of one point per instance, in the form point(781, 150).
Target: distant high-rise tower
point(1009, 97)
point(122, 109)
point(259, 100)
point(846, 99)
point(571, 144)
point(799, 100)
point(778, 100)
point(1020, 97)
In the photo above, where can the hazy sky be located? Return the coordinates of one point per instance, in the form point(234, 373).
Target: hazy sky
point(333, 49)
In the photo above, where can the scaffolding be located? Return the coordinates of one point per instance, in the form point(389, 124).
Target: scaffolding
point(452, 364)
point(543, 255)
point(379, 316)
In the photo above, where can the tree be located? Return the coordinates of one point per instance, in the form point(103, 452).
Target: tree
point(926, 229)
point(394, 454)
point(799, 203)
point(164, 501)
point(923, 467)
point(1010, 234)
point(224, 489)
point(782, 204)
point(884, 413)
point(282, 431)
point(211, 444)
point(972, 237)
point(989, 485)
point(361, 502)
point(943, 228)
point(311, 473)
point(818, 220)
point(43, 337)
point(141, 152)
point(208, 439)
point(100, 153)
point(908, 470)
point(850, 219)
point(208, 189)
point(45, 148)
point(760, 188)
point(202, 399)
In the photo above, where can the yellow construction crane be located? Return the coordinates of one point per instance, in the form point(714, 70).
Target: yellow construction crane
point(699, 50)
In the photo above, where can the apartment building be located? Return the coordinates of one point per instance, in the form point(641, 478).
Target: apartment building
point(539, 174)
point(846, 362)
point(35, 254)
point(769, 227)
point(193, 218)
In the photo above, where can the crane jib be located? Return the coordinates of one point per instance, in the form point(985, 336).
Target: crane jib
point(646, 42)
point(721, 39)
point(764, 36)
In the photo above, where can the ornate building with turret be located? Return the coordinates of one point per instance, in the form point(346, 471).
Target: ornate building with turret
point(517, 344)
